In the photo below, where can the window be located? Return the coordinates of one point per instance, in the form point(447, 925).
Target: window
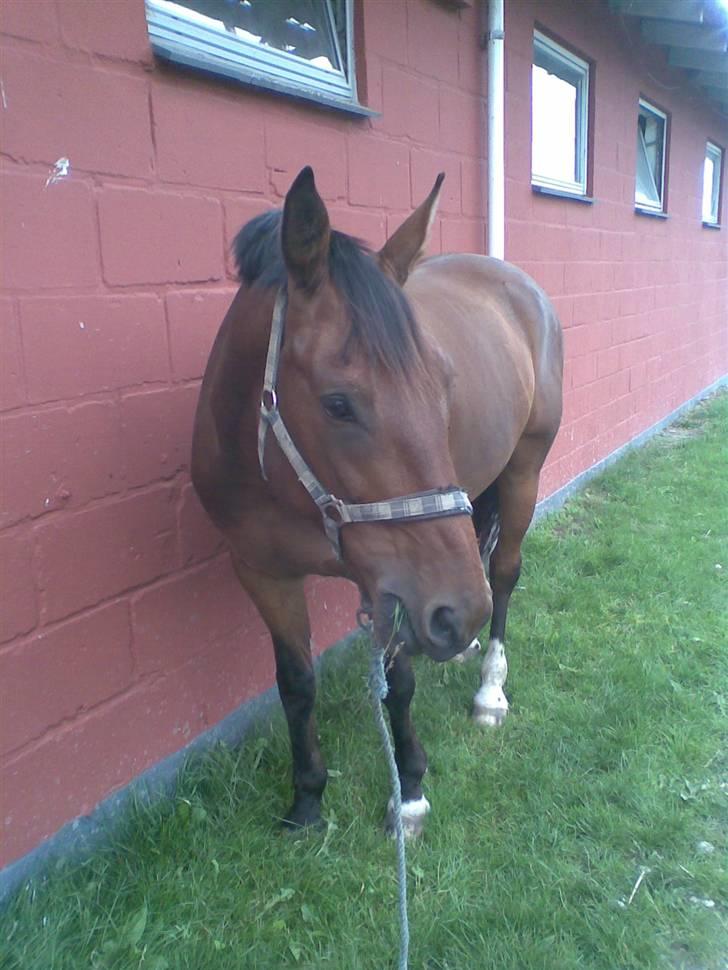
point(560, 115)
point(301, 47)
point(711, 183)
point(649, 191)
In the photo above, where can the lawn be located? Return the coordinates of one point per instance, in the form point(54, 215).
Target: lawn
point(589, 832)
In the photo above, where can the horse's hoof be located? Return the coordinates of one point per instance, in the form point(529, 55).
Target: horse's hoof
point(302, 818)
point(472, 651)
point(293, 830)
point(490, 706)
point(414, 813)
point(489, 716)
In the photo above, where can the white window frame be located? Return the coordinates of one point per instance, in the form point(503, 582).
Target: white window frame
point(182, 39)
point(646, 106)
point(716, 153)
point(572, 63)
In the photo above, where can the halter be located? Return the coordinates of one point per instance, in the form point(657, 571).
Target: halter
point(436, 503)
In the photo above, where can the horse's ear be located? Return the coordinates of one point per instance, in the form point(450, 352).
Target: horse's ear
point(305, 233)
point(402, 250)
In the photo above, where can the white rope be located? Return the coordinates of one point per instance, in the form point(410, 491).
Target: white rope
point(379, 689)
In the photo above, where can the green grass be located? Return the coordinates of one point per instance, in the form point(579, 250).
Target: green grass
point(611, 762)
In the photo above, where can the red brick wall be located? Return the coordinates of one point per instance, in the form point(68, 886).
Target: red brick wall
point(643, 301)
point(123, 631)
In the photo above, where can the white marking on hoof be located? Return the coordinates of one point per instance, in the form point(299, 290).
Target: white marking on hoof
point(414, 813)
point(490, 705)
point(467, 653)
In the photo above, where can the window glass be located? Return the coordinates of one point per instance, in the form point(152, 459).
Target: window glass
point(303, 47)
point(299, 27)
point(649, 189)
point(559, 105)
point(711, 183)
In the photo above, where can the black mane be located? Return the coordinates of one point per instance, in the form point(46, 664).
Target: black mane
point(381, 317)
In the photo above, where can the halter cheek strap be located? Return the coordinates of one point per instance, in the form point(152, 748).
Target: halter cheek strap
point(269, 398)
point(436, 503)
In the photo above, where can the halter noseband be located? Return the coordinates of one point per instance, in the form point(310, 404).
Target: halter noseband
point(436, 503)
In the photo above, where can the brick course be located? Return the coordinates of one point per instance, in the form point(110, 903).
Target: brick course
point(112, 134)
point(18, 592)
point(80, 345)
point(47, 233)
point(59, 458)
point(12, 381)
point(86, 557)
point(90, 654)
point(159, 237)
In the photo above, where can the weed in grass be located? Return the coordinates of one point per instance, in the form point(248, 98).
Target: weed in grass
point(568, 839)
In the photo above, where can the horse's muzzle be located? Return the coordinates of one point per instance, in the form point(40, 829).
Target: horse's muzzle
point(392, 626)
point(443, 631)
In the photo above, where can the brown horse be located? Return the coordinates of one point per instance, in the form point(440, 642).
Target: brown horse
point(397, 378)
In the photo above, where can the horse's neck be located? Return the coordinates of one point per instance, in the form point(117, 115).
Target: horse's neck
point(236, 369)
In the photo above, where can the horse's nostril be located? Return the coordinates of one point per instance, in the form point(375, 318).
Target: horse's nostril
point(444, 628)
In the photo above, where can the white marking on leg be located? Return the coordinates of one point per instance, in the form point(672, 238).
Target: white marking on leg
point(490, 705)
point(414, 813)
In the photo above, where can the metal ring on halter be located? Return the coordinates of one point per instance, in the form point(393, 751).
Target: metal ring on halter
point(272, 397)
point(334, 510)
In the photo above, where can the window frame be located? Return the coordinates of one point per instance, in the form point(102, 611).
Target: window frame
point(178, 39)
point(643, 105)
point(578, 188)
point(718, 153)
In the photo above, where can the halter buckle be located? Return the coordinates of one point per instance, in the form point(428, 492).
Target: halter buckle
point(333, 513)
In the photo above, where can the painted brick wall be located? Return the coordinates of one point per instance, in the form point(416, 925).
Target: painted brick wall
point(643, 301)
point(123, 631)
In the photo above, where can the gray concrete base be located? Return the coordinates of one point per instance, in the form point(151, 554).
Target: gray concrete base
point(79, 838)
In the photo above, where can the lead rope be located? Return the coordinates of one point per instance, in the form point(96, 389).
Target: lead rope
point(379, 689)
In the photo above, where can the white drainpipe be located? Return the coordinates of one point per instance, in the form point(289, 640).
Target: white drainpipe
point(496, 145)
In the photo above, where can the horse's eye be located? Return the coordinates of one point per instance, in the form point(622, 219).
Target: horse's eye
point(338, 407)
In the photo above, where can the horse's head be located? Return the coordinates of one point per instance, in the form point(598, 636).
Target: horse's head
point(365, 396)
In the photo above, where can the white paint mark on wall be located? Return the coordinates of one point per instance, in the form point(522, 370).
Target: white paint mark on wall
point(81, 324)
point(61, 170)
point(2, 95)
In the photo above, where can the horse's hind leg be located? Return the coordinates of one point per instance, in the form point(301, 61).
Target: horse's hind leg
point(282, 604)
point(517, 492)
point(408, 752)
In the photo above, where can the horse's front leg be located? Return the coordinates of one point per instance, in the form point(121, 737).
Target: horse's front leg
point(282, 604)
point(408, 752)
